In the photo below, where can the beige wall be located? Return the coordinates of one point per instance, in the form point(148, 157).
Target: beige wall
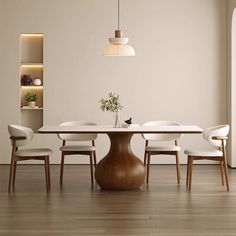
point(179, 72)
point(231, 76)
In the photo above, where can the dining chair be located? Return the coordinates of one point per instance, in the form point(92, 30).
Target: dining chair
point(216, 136)
point(20, 136)
point(78, 149)
point(150, 150)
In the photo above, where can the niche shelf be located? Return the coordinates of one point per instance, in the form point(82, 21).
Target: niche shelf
point(31, 66)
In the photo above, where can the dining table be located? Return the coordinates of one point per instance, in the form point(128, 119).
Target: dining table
point(120, 169)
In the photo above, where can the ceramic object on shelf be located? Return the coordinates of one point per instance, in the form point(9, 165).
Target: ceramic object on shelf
point(26, 80)
point(31, 104)
point(37, 82)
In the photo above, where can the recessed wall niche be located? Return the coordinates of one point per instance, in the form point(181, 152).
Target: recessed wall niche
point(31, 80)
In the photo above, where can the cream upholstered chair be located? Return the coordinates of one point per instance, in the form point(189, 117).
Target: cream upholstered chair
point(150, 150)
point(21, 136)
point(216, 136)
point(78, 149)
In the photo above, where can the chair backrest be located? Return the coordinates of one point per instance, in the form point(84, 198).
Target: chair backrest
point(17, 130)
point(219, 130)
point(161, 137)
point(77, 137)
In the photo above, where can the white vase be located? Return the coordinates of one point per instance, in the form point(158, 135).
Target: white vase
point(117, 120)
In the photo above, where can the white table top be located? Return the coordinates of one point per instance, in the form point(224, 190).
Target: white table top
point(183, 129)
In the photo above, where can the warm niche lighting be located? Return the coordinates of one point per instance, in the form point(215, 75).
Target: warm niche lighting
point(32, 66)
point(32, 87)
point(32, 35)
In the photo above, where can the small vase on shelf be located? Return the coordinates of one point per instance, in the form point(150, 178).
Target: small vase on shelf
point(26, 80)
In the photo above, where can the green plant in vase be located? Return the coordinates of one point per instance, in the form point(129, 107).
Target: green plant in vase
point(112, 104)
point(31, 98)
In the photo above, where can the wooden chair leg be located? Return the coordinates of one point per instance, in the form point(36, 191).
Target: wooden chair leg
point(48, 170)
point(222, 173)
point(91, 166)
point(190, 172)
point(226, 175)
point(10, 175)
point(148, 167)
point(46, 173)
point(94, 159)
point(177, 167)
point(62, 168)
point(187, 176)
point(14, 173)
point(145, 158)
point(225, 167)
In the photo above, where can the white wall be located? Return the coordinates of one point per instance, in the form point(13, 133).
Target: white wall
point(178, 73)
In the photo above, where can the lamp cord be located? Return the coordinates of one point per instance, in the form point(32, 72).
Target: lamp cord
point(118, 14)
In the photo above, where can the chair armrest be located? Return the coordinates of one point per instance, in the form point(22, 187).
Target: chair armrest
point(17, 137)
point(219, 138)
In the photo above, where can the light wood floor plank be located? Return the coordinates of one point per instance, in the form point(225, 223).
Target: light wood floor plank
point(161, 208)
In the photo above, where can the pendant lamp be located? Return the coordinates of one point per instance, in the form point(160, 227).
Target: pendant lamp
point(118, 46)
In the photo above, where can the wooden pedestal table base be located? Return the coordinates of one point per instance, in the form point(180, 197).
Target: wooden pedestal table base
point(120, 169)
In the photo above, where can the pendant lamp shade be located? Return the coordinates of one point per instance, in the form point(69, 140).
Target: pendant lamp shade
point(118, 50)
point(118, 46)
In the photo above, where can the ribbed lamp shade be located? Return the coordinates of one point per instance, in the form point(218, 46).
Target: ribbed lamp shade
point(118, 46)
point(118, 50)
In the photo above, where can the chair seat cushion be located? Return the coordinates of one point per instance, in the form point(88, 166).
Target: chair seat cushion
point(34, 152)
point(204, 153)
point(162, 148)
point(75, 148)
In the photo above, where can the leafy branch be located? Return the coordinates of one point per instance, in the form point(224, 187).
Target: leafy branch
point(112, 103)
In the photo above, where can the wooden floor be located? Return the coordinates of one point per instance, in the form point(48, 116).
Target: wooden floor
point(162, 208)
